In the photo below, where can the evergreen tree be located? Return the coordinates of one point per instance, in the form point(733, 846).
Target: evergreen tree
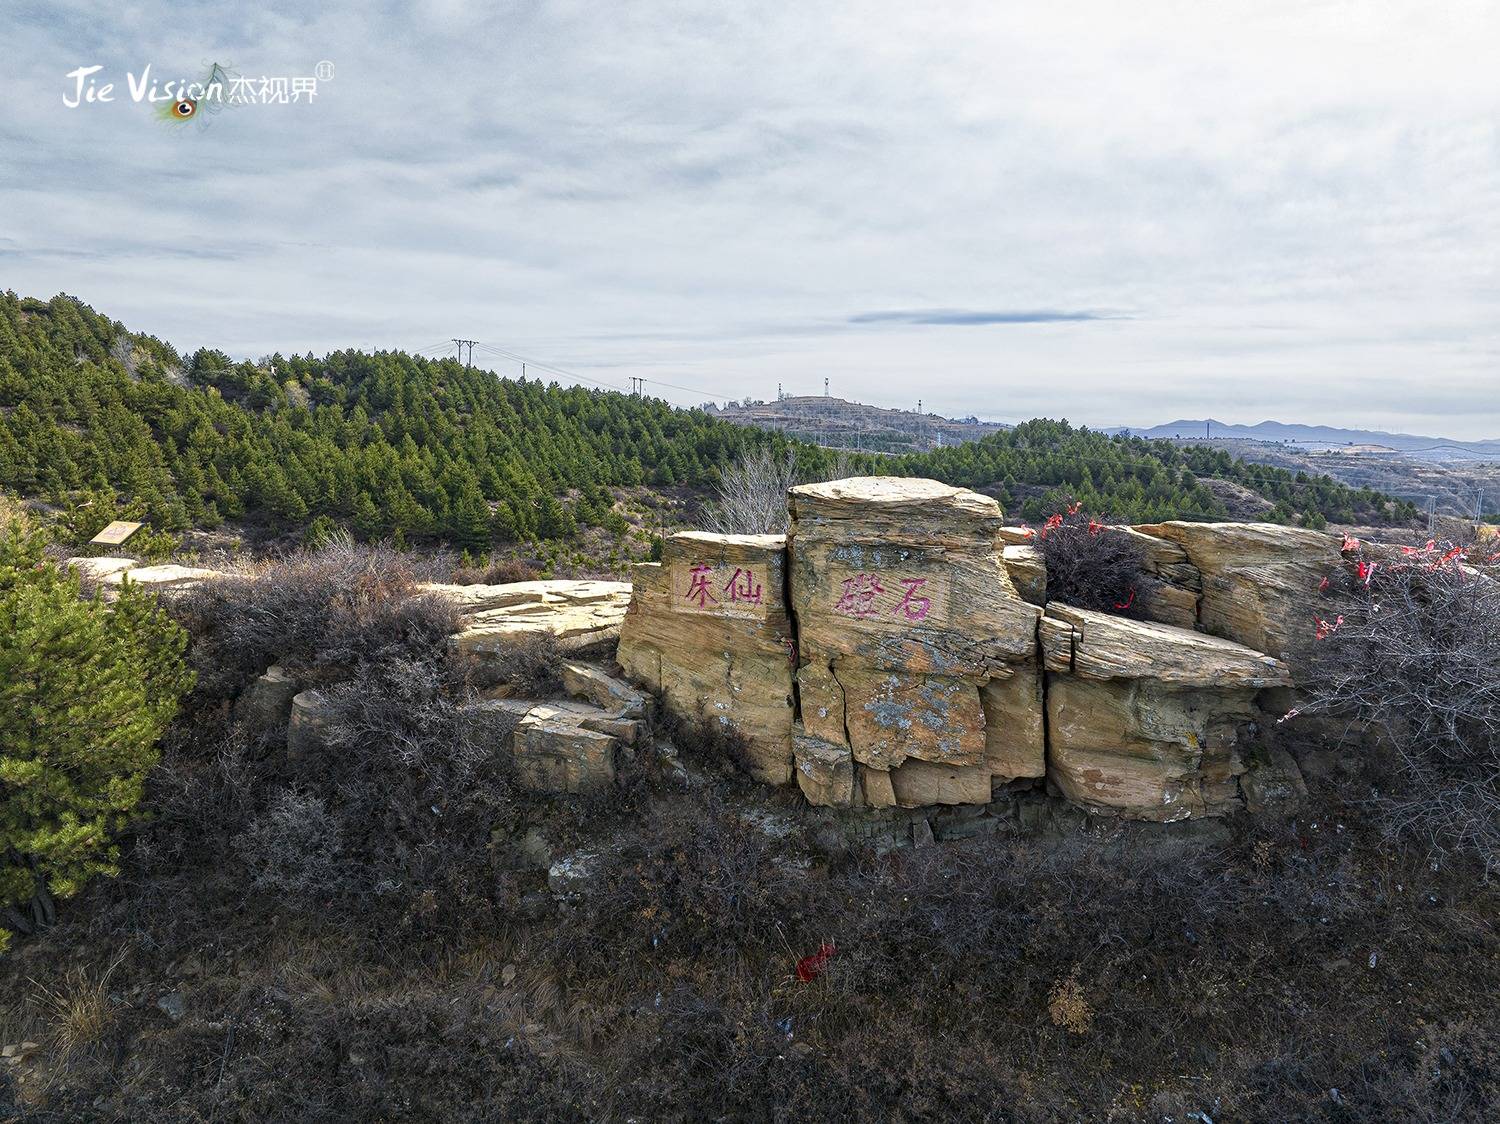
point(85, 692)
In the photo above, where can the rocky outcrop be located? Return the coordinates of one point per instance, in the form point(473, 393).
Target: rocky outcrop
point(708, 630)
point(579, 615)
point(1145, 719)
point(308, 725)
point(556, 750)
point(111, 573)
point(562, 745)
point(926, 671)
point(267, 703)
point(908, 620)
point(1260, 580)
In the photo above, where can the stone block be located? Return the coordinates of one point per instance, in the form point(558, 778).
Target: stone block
point(825, 771)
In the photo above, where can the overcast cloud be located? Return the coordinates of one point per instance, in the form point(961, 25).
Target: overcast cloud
point(1115, 213)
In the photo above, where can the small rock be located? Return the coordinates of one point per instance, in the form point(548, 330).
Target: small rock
point(569, 875)
point(921, 833)
point(585, 681)
point(172, 1005)
point(508, 975)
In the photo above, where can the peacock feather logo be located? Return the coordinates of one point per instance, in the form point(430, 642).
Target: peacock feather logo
point(197, 101)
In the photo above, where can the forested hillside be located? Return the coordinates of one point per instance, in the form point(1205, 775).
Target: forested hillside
point(1043, 465)
point(394, 445)
point(387, 442)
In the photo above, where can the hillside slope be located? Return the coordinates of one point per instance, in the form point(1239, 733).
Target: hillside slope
point(394, 445)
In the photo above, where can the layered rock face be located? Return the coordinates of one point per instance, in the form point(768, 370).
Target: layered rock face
point(899, 650)
point(1144, 719)
point(916, 652)
point(1259, 580)
point(578, 614)
point(708, 630)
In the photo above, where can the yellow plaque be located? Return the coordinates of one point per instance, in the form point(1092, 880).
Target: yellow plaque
point(115, 534)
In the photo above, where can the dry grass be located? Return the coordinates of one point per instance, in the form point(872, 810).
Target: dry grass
point(77, 1009)
point(1067, 1006)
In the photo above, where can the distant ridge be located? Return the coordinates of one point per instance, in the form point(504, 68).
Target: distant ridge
point(1312, 436)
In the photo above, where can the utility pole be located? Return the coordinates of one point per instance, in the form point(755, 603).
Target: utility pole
point(470, 345)
point(825, 388)
point(635, 385)
point(1431, 512)
point(1205, 429)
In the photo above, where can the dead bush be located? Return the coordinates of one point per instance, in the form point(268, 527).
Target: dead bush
point(295, 848)
point(532, 664)
point(750, 495)
point(412, 798)
point(502, 571)
point(1407, 654)
point(1092, 566)
point(337, 606)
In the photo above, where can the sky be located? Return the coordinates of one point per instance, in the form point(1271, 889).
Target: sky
point(1121, 214)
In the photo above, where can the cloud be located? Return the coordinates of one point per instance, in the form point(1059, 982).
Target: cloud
point(967, 317)
point(1297, 205)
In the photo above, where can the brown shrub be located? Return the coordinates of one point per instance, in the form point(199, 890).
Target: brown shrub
point(502, 571)
point(1407, 654)
point(532, 664)
point(1091, 566)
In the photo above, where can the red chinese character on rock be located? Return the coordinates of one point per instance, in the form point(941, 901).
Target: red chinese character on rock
point(859, 596)
point(915, 608)
point(698, 589)
point(743, 587)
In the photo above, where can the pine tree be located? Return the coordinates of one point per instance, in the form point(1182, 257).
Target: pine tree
point(85, 692)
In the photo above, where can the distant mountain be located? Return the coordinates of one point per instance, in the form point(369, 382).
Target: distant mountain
point(1324, 437)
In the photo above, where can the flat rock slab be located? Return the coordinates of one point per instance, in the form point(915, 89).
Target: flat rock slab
point(167, 578)
point(577, 614)
point(595, 685)
point(1097, 645)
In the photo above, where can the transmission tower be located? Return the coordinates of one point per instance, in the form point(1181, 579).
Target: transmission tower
point(470, 345)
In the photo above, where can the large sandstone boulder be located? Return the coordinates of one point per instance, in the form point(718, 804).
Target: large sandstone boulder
point(1144, 719)
point(708, 630)
point(915, 646)
point(578, 614)
point(1260, 580)
point(1173, 596)
point(906, 575)
point(1028, 572)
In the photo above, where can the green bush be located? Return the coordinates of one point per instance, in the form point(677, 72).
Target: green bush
point(85, 692)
